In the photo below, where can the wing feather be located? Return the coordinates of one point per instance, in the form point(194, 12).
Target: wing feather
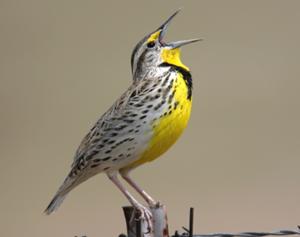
point(111, 120)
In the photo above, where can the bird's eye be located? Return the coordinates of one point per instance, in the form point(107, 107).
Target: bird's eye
point(151, 44)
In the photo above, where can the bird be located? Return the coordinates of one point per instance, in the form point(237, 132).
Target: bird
point(141, 125)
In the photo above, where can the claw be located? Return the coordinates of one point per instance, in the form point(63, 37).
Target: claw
point(144, 214)
point(155, 205)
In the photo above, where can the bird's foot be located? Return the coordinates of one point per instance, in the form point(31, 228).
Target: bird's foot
point(144, 214)
point(154, 204)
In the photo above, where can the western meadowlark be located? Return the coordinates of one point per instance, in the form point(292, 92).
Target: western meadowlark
point(142, 124)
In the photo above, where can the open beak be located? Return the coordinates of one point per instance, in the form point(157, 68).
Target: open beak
point(163, 30)
point(180, 43)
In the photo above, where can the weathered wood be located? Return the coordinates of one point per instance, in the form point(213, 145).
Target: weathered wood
point(137, 227)
point(160, 221)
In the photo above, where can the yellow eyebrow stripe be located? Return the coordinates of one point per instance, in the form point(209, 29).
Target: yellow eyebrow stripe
point(154, 36)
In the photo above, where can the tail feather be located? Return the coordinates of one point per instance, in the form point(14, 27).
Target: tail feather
point(55, 203)
point(65, 188)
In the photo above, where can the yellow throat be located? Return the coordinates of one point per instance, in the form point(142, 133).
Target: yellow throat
point(172, 56)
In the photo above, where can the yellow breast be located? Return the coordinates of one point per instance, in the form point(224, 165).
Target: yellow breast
point(170, 126)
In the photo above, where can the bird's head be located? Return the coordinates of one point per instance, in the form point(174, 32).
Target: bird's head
point(152, 51)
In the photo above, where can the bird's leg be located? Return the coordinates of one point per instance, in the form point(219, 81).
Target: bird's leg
point(151, 202)
point(144, 212)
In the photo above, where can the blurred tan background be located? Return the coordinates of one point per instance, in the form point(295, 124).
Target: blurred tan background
point(63, 63)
